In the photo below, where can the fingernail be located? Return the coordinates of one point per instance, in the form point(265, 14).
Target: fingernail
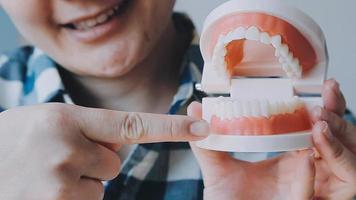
point(324, 128)
point(199, 128)
point(335, 87)
point(318, 111)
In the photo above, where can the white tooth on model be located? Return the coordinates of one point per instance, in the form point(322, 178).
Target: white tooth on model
point(265, 38)
point(290, 57)
point(253, 33)
point(289, 64)
point(264, 108)
point(273, 109)
point(255, 109)
point(290, 74)
point(228, 109)
point(299, 74)
point(220, 108)
point(246, 109)
point(229, 38)
point(281, 60)
point(285, 67)
point(237, 109)
point(284, 50)
point(218, 58)
point(276, 41)
point(284, 108)
point(224, 110)
point(237, 34)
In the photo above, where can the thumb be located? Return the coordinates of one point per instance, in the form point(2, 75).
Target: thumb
point(210, 161)
point(339, 159)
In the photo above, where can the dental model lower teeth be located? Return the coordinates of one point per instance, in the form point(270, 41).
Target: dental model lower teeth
point(227, 108)
point(264, 54)
point(259, 117)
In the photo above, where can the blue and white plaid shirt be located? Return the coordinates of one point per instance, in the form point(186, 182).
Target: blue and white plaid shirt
point(162, 171)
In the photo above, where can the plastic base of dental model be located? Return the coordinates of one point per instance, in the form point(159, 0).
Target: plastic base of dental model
point(271, 143)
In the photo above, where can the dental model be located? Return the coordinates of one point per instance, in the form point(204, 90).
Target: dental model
point(266, 55)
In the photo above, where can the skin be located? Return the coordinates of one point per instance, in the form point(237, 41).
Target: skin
point(79, 144)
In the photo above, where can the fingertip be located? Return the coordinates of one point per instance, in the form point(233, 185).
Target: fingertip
point(195, 110)
point(332, 84)
point(200, 128)
point(317, 114)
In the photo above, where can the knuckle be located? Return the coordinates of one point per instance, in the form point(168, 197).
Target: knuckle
point(64, 165)
point(132, 127)
point(54, 116)
point(338, 151)
point(172, 129)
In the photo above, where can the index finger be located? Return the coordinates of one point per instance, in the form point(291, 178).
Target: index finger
point(116, 127)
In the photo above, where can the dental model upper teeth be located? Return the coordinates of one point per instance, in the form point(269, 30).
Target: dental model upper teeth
point(265, 38)
point(227, 108)
point(289, 63)
point(219, 58)
point(253, 33)
point(90, 23)
point(237, 34)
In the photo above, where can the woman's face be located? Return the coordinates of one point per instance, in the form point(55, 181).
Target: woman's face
point(101, 38)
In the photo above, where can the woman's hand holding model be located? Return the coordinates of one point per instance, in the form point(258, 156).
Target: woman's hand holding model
point(295, 175)
point(77, 149)
point(335, 140)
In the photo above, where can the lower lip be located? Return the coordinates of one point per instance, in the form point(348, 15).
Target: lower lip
point(97, 32)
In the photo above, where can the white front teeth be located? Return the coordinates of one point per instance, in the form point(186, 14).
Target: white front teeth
point(237, 34)
point(90, 23)
point(253, 33)
point(226, 108)
point(284, 50)
point(265, 38)
point(289, 64)
point(276, 41)
point(219, 58)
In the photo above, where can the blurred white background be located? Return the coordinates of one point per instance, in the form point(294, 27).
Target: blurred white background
point(336, 18)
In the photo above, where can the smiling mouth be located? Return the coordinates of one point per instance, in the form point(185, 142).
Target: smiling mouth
point(100, 19)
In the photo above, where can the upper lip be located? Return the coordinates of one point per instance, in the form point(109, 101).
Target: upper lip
point(91, 15)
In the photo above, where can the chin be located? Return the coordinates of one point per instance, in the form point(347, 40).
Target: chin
point(115, 71)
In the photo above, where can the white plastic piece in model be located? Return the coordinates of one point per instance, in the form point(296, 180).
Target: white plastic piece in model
point(265, 56)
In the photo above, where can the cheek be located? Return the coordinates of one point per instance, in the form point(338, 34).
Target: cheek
point(31, 17)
